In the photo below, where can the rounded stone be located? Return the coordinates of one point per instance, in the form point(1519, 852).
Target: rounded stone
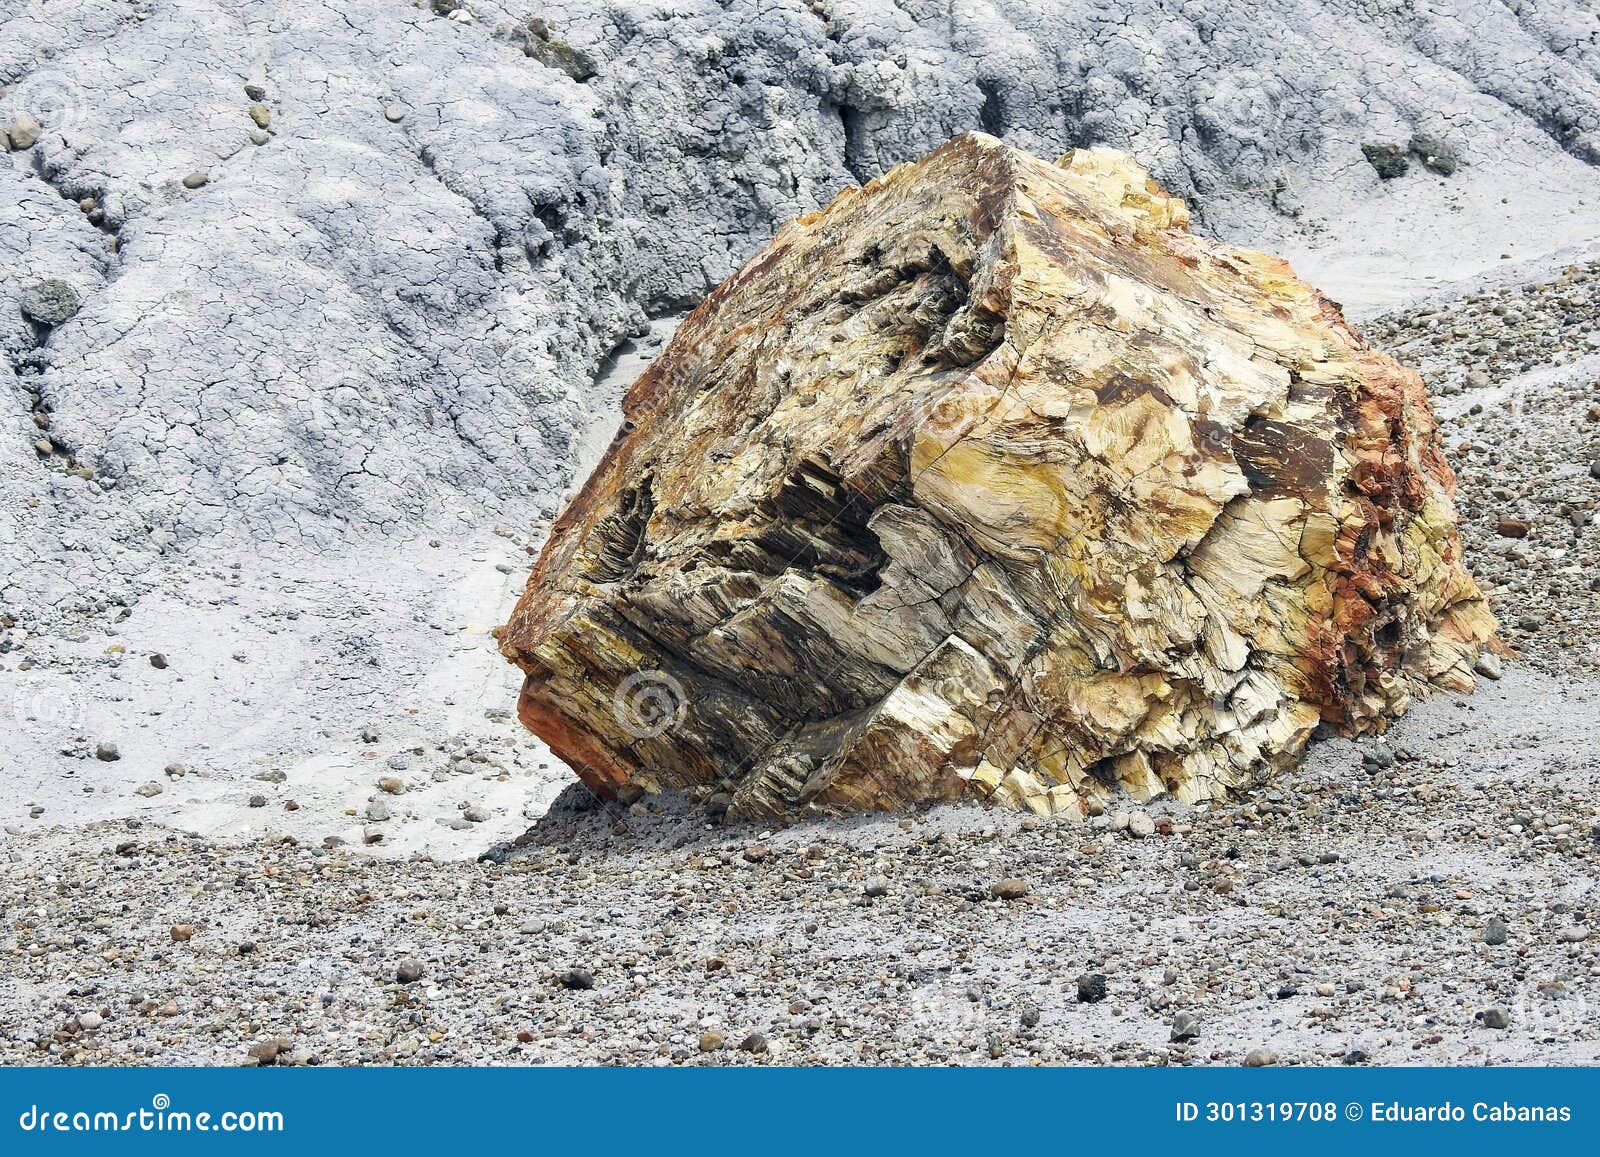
point(24, 132)
point(49, 302)
point(577, 979)
point(1010, 888)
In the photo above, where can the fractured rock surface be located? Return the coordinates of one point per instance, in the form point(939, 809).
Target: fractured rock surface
point(992, 480)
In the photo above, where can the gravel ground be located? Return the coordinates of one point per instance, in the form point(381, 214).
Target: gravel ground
point(1429, 898)
point(1352, 913)
point(1471, 342)
point(1516, 379)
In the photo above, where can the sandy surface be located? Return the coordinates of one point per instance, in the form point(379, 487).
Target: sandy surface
point(296, 694)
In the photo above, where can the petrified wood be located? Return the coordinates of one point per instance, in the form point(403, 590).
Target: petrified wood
point(992, 481)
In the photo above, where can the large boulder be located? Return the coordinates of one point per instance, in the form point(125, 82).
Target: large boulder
point(992, 481)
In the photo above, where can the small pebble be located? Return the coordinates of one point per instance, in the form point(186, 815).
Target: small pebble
point(265, 1052)
point(1185, 1026)
point(1010, 888)
point(24, 132)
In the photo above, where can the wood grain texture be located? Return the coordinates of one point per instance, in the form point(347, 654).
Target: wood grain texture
point(991, 480)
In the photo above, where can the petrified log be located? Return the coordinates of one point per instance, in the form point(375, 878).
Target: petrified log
point(992, 481)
